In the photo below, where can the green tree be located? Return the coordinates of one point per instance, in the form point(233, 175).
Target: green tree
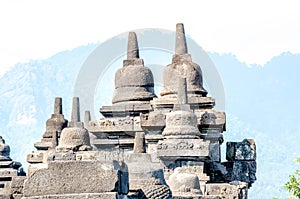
point(293, 185)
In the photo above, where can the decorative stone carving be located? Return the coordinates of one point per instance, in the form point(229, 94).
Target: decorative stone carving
point(156, 192)
point(208, 118)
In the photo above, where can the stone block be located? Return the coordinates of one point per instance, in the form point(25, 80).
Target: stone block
point(244, 171)
point(216, 171)
point(35, 157)
point(129, 125)
point(245, 150)
point(74, 177)
point(111, 195)
point(172, 149)
point(143, 172)
point(3, 196)
point(6, 164)
point(156, 192)
point(215, 151)
point(8, 172)
point(219, 121)
point(153, 122)
point(17, 185)
point(17, 196)
point(227, 191)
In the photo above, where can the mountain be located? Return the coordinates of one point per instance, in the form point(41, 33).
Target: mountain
point(27, 96)
point(261, 103)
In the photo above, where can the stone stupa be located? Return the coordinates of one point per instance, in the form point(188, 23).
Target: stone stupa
point(144, 147)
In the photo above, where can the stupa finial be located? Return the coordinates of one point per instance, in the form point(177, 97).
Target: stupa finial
point(58, 105)
point(180, 45)
point(75, 110)
point(132, 47)
point(87, 118)
point(182, 91)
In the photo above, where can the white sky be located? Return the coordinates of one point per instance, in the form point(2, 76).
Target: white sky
point(254, 31)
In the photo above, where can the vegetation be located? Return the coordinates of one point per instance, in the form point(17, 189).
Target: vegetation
point(293, 185)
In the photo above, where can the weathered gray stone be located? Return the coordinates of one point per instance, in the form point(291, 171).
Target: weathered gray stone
point(180, 44)
point(57, 122)
point(4, 196)
point(182, 65)
point(17, 185)
point(244, 171)
point(10, 172)
point(156, 148)
point(75, 137)
point(4, 150)
point(127, 125)
point(134, 81)
point(215, 137)
point(142, 171)
point(132, 47)
point(193, 174)
point(35, 157)
point(112, 195)
point(156, 192)
point(216, 171)
point(87, 118)
point(182, 91)
point(181, 124)
point(139, 143)
point(70, 177)
point(245, 150)
point(75, 115)
point(54, 126)
point(227, 191)
point(173, 149)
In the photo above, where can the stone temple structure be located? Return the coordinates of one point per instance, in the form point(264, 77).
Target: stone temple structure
point(144, 147)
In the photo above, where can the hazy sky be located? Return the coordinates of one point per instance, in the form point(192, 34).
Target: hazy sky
point(254, 30)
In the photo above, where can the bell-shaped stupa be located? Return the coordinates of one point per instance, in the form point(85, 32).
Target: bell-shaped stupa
point(75, 137)
point(134, 81)
point(182, 65)
point(182, 122)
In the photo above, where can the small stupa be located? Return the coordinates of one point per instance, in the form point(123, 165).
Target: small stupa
point(75, 137)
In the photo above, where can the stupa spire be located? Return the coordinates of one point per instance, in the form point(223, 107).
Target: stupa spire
point(87, 118)
point(58, 105)
point(75, 116)
point(180, 45)
point(182, 91)
point(132, 46)
point(75, 110)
